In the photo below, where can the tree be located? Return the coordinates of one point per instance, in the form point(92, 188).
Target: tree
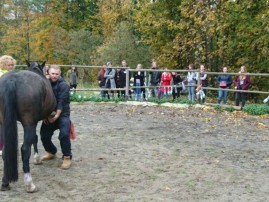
point(124, 46)
point(157, 24)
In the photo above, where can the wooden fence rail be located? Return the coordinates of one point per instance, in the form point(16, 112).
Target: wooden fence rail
point(128, 70)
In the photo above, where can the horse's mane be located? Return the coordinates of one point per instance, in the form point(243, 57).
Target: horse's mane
point(36, 67)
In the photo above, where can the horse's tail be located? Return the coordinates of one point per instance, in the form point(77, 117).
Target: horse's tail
point(10, 132)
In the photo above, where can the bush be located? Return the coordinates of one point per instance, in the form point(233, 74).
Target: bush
point(256, 109)
point(218, 108)
point(229, 109)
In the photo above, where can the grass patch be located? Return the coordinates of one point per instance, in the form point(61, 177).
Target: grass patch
point(218, 108)
point(257, 109)
point(229, 109)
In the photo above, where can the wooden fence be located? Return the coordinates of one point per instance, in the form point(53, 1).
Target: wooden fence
point(129, 70)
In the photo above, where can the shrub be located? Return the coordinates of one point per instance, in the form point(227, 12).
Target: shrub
point(256, 109)
point(229, 109)
point(218, 108)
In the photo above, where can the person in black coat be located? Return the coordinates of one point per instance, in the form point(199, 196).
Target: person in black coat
point(121, 79)
point(155, 79)
point(177, 81)
point(139, 78)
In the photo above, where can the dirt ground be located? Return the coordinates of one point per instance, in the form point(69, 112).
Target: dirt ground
point(155, 153)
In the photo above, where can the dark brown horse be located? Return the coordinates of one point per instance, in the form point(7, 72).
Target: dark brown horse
point(25, 96)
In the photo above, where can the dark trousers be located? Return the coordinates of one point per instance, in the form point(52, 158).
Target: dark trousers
point(46, 132)
point(176, 92)
point(240, 97)
point(121, 93)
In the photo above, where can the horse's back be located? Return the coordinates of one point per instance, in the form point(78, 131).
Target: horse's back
point(34, 96)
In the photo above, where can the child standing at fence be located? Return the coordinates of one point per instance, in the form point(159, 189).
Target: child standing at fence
point(166, 80)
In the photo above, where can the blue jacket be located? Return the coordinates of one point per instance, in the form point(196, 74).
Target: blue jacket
point(224, 78)
point(61, 91)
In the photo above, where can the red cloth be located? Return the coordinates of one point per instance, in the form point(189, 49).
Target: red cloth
point(166, 79)
point(72, 134)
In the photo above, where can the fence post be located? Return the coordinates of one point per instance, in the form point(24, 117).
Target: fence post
point(198, 79)
point(127, 84)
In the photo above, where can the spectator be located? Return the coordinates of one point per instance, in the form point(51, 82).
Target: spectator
point(138, 83)
point(155, 79)
point(72, 75)
point(177, 82)
point(110, 80)
point(117, 81)
point(191, 79)
point(224, 81)
point(241, 82)
point(121, 78)
point(166, 80)
point(203, 79)
point(7, 63)
point(102, 81)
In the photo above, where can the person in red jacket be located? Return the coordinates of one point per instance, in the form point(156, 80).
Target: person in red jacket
point(166, 84)
point(241, 82)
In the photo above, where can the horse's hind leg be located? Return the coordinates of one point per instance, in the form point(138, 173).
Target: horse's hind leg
point(29, 139)
point(37, 159)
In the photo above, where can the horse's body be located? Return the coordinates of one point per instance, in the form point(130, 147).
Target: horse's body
point(25, 96)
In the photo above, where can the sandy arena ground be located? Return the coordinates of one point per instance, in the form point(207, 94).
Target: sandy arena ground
point(152, 153)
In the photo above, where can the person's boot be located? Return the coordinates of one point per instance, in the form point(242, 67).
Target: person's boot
point(48, 156)
point(66, 163)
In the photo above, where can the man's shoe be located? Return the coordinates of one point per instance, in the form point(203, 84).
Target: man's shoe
point(48, 156)
point(66, 163)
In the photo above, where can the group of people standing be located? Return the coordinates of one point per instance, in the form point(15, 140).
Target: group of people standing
point(160, 82)
point(224, 81)
point(164, 84)
point(113, 80)
point(241, 82)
